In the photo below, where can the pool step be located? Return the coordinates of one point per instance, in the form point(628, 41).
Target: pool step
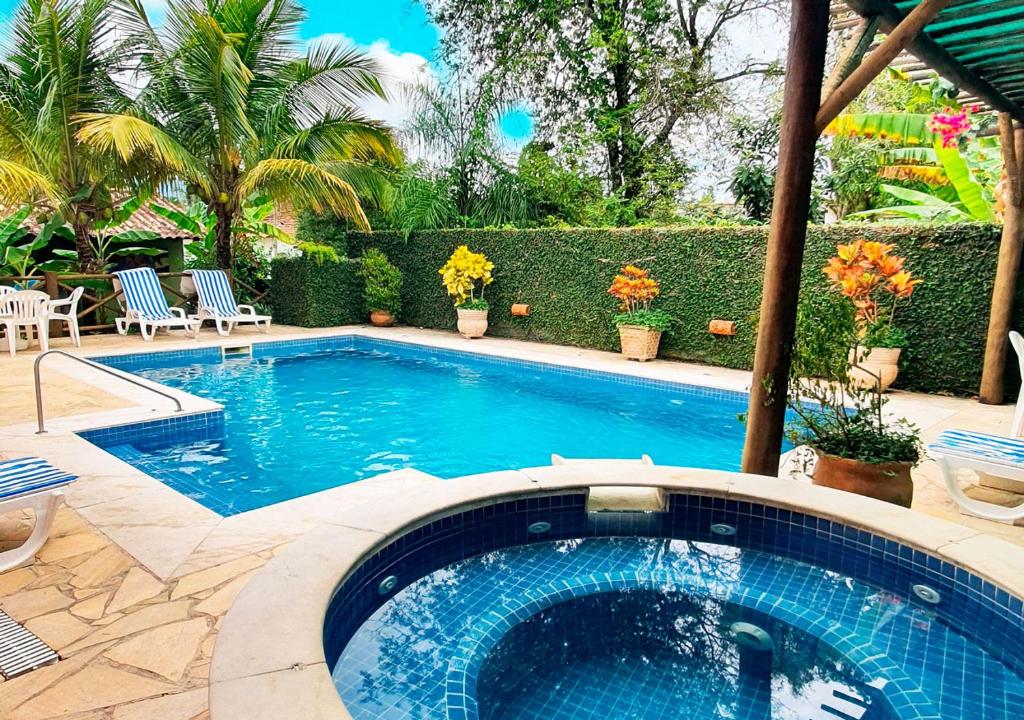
point(227, 351)
point(21, 651)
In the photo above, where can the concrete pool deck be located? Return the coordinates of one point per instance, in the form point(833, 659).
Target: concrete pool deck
point(136, 578)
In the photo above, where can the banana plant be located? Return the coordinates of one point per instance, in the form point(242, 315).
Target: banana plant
point(108, 242)
point(18, 245)
point(198, 221)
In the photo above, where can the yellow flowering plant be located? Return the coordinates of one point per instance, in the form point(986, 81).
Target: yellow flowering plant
point(465, 276)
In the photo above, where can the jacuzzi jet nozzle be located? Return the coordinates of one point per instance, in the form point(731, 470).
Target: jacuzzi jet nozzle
point(751, 636)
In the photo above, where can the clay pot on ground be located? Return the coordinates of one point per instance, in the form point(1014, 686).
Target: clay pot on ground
point(472, 323)
point(639, 342)
point(880, 366)
point(382, 318)
point(889, 482)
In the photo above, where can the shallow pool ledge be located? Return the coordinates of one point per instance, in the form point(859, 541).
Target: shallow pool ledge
point(269, 661)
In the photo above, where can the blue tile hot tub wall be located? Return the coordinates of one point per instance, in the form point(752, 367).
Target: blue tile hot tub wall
point(987, 614)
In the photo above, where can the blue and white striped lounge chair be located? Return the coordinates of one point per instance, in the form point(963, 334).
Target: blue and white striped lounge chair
point(30, 483)
point(146, 305)
point(1001, 457)
point(217, 303)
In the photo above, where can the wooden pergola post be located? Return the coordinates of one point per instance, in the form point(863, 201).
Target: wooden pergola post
point(1008, 268)
point(805, 69)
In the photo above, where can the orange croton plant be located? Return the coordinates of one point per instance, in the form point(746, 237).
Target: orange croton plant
point(636, 290)
point(875, 281)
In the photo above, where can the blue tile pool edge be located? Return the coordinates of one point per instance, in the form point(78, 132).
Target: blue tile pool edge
point(286, 348)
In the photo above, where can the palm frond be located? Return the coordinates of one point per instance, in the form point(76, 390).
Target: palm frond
point(22, 185)
point(307, 185)
point(131, 137)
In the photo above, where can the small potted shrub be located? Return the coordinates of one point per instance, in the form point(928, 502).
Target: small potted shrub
point(640, 326)
point(875, 282)
point(465, 276)
point(382, 286)
point(856, 448)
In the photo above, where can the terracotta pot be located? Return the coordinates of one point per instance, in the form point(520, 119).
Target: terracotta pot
point(472, 323)
point(880, 366)
point(639, 342)
point(889, 482)
point(382, 318)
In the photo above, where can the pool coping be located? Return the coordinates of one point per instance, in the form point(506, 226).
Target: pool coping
point(282, 670)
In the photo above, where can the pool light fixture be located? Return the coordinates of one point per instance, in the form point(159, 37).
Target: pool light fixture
point(387, 585)
point(723, 529)
point(927, 594)
point(538, 528)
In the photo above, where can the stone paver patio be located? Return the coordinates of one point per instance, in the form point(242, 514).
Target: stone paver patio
point(135, 580)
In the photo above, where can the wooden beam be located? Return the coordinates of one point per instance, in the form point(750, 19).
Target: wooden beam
point(895, 42)
point(852, 53)
point(930, 52)
point(1008, 269)
point(805, 68)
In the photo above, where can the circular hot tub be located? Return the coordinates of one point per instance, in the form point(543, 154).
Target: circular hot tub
point(508, 599)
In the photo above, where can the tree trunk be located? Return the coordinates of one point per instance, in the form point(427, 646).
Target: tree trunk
point(223, 236)
point(805, 68)
point(86, 260)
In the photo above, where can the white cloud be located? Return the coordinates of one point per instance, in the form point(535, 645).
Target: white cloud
point(400, 71)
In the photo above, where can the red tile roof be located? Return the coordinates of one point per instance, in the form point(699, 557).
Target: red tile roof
point(143, 219)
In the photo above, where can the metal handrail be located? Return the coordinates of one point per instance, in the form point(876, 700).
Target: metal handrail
point(90, 363)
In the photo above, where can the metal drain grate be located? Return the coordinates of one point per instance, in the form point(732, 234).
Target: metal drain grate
point(20, 650)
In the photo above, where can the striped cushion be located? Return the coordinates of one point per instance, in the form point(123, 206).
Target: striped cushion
point(143, 294)
point(993, 448)
point(215, 292)
point(29, 474)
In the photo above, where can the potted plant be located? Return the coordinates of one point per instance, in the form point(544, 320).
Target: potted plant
point(640, 326)
point(382, 285)
point(855, 447)
point(465, 276)
point(875, 281)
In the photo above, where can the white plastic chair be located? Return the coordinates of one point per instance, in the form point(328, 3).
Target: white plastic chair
point(146, 305)
point(66, 311)
point(217, 303)
point(1001, 457)
point(25, 309)
point(30, 483)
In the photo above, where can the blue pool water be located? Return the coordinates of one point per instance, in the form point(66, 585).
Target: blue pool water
point(643, 628)
point(301, 422)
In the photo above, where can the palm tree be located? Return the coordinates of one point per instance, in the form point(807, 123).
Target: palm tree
point(59, 61)
point(233, 109)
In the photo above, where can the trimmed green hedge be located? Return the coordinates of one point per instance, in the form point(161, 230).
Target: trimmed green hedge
point(706, 273)
point(308, 294)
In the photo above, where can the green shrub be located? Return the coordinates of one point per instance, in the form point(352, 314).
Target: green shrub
point(309, 294)
point(382, 282)
point(318, 252)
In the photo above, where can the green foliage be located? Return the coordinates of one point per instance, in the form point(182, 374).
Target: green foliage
point(753, 179)
point(59, 62)
point(234, 107)
point(612, 82)
point(319, 253)
point(835, 415)
point(323, 228)
point(708, 273)
point(382, 282)
point(653, 319)
point(306, 294)
point(475, 304)
point(108, 242)
point(18, 246)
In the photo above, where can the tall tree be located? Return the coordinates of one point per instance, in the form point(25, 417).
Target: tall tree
point(59, 61)
point(232, 107)
point(624, 73)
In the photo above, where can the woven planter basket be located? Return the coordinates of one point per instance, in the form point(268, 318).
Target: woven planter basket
point(639, 342)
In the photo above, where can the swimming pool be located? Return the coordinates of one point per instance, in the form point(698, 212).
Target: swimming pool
point(312, 415)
